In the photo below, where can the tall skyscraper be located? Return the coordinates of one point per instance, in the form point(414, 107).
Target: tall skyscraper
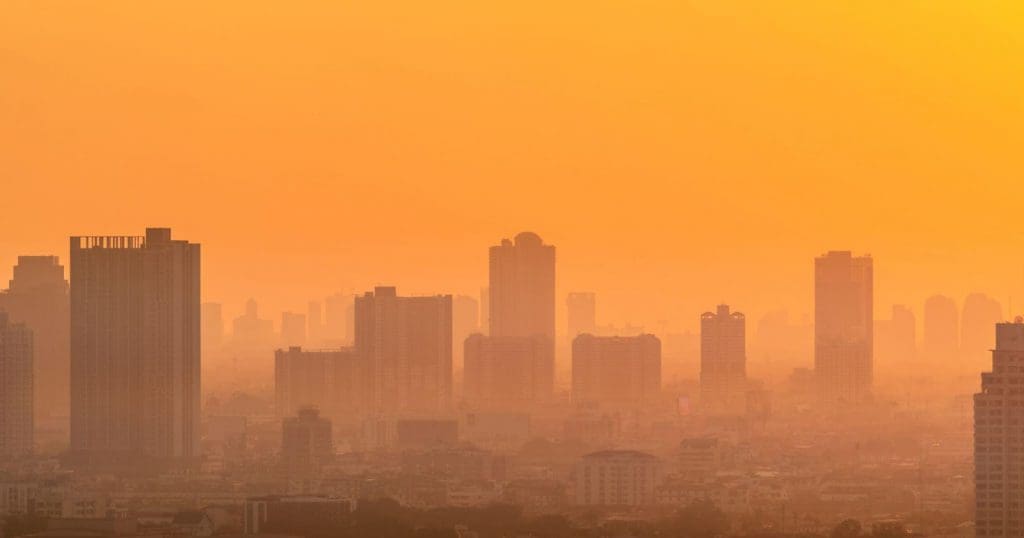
point(998, 439)
point(16, 380)
point(213, 326)
point(407, 343)
point(941, 339)
point(618, 371)
point(522, 287)
point(135, 346)
point(723, 361)
point(38, 297)
point(981, 313)
point(507, 372)
point(581, 310)
point(843, 326)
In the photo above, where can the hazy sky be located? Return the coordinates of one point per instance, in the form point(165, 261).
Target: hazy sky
point(678, 154)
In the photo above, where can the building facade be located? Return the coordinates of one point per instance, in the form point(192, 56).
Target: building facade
point(999, 438)
point(332, 380)
point(616, 371)
point(723, 361)
point(16, 393)
point(617, 478)
point(135, 346)
point(407, 345)
point(843, 327)
point(522, 287)
point(507, 372)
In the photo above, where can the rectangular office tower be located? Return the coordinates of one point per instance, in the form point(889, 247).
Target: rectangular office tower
point(135, 359)
point(843, 325)
point(522, 287)
point(407, 345)
point(616, 371)
point(723, 362)
point(999, 438)
point(16, 421)
point(507, 372)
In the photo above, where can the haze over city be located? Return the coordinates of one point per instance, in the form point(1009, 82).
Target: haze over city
point(543, 269)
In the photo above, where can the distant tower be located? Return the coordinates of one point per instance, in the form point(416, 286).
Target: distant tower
point(723, 361)
point(616, 371)
point(581, 308)
point(998, 440)
point(16, 421)
point(941, 340)
point(135, 341)
point(843, 326)
point(522, 287)
point(407, 343)
point(38, 297)
point(981, 312)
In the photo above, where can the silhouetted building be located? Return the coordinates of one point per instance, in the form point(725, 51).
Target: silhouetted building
point(522, 287)
point(213, 326)
point(407, 343)
point(998, 442)
point(843, 326)
point(616, 370)
point(896, 337)
point(38, 297)
point(249, 330)
point(465, 321)
point(293, 329)
point(941, 340)
point(334, 381)
point(135, 345)
point(507, 372)
point(16, 381)
point(723, 361)
point(981, 313)
point(306, 441)
point(581, 313)
point(617, 478)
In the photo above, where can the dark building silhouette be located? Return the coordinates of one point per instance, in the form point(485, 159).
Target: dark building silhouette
point(581, 313)
point(941, 339)
point(38, 297)
point(332, 380)
point(980, 314)
point(135, 345)
point(507, 372)
point(16, 382)
point(998, 442)
point(522, 287)
point(843, 326)
point(213, 326)
point(723, 361)
point(407, 343)
point(617, 371)
point(896, 337)
point(306, 441)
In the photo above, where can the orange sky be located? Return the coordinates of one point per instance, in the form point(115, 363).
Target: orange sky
point(678, 154)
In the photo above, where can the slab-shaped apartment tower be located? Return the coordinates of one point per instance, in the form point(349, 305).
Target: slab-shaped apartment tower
point(135, 346)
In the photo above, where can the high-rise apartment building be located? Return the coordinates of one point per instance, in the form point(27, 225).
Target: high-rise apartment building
point(581, 313)
point(38, 297)
point(135, 346)
point(843, 326)
point(999, 438)
point(407, 345)
point(617, 371)
point(332, 380)
point(723, 361)
point(507, 372)
point(522, 287)
point(16, 381)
